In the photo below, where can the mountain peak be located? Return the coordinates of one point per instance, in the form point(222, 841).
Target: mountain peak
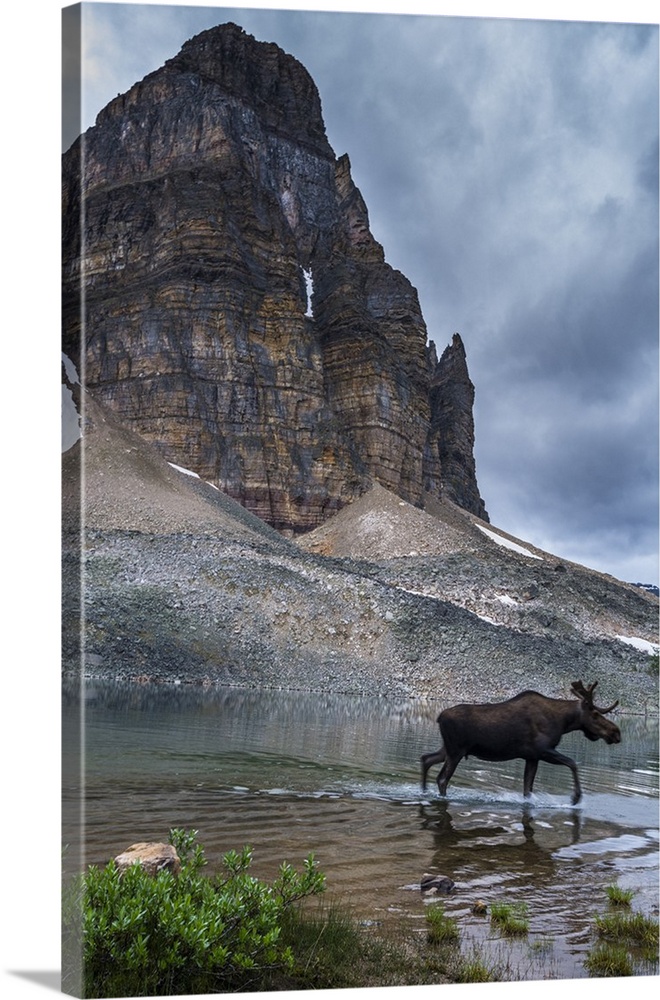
point(260, 74)
point(239, 313)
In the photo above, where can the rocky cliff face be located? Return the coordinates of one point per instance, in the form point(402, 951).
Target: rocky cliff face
point(236, 310)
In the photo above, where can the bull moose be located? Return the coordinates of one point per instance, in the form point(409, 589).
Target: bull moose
point(528, 727)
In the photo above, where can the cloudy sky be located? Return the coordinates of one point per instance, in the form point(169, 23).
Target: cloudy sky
point(510, 169)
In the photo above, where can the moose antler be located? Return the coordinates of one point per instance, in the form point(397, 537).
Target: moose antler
point(587, 695)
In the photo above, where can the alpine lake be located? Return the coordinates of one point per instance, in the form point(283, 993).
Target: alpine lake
point(338, 776)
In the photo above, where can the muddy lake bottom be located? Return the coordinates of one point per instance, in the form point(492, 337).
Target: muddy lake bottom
point(290, 774)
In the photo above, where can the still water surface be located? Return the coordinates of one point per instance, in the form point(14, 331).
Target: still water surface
point(292, 773)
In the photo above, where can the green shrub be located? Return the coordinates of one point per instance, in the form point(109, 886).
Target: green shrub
point(167, 935)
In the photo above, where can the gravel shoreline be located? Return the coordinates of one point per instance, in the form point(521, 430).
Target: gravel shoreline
point(197, 611)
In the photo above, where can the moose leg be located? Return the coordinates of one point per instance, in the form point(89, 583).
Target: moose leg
point(531, 767)
point(554, 757)
point(427, 760)
point(449, 766)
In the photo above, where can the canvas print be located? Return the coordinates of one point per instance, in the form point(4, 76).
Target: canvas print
point(359, 480)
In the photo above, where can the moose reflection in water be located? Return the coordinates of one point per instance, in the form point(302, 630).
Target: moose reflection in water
point(528, 727)
point(503, 838)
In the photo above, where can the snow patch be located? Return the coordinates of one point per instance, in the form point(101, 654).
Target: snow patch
point(507, 543)
point(505, 599)
point(71, 431)
point(289, 207)
point(309, 285)
point(186, 472)
point(70, 370)
point(489, 621)
point(643, 644)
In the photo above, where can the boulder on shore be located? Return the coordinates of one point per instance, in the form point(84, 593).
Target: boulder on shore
point(153, 857)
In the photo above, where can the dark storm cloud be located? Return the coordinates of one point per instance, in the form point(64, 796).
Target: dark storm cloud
point(510, 171)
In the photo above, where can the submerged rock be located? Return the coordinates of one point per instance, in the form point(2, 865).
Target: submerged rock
point(437, 885)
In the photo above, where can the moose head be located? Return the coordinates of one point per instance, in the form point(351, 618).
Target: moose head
point(593, 723)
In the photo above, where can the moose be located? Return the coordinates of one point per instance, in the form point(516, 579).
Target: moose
point(528, 727)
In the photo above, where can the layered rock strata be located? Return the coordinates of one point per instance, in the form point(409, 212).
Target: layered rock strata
point(224, 295)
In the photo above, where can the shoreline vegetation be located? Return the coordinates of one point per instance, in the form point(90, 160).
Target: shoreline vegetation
point(140, 934)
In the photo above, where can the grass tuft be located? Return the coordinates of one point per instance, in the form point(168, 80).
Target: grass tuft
point(632, 928)
point(609, 960)
point(510, 918)
point(475, 971)
point(618, 896)
point(441, 928)
point(627, 941)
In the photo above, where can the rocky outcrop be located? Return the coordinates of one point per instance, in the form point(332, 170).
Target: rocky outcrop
point(451, 438)
point(234, 307)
